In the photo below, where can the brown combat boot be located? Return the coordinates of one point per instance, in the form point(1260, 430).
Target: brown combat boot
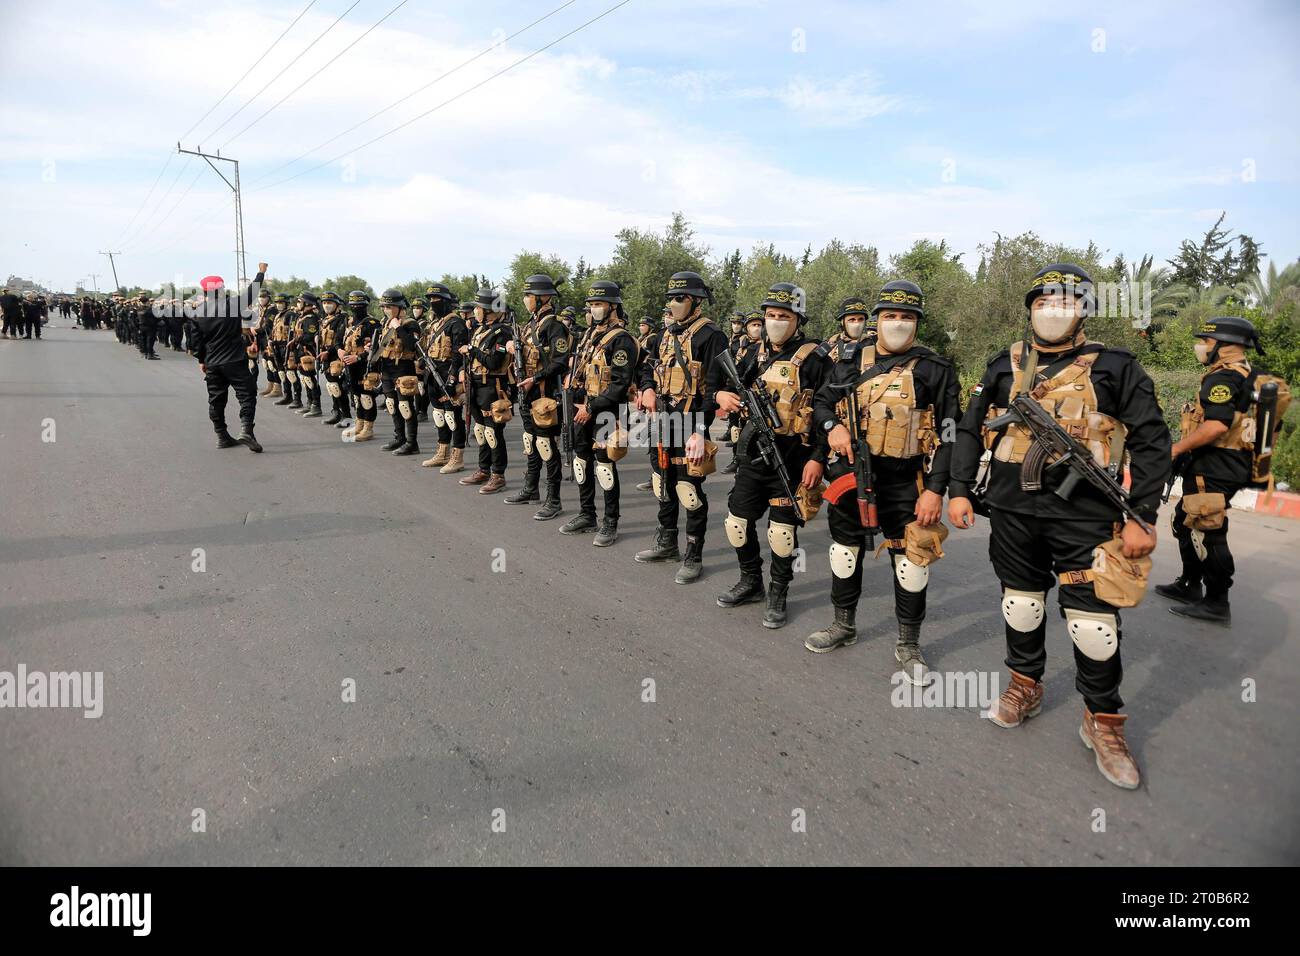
point(455, 463)
point(494, 484)
point(1104, 735)
point(276, 391)
point(1020, 701)
point(266, 391)
point(439, 458)
point(477, 478)
point(365, 431)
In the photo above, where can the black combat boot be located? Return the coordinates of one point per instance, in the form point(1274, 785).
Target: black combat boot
point(908, 654)
point(580, 523)
point(525, 495)
point(287, 397)
point(224, 440)
point(246, 439)
point(551, 508)
point(775, 616)
point(399, 433)
point(313, 410)
point(665, 547)
point(1211, 610)
point(1188, 592)
point(747, 590)
point(336, 416)
point(606, 533)
point(692, 561)
point(842, 633)
point(412, 444)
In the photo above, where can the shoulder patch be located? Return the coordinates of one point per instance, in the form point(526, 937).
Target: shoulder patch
point(1220, 394)
point(977, 389)
point(562, 344)
point(620, 358)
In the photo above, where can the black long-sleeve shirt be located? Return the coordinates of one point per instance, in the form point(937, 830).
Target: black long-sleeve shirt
point(812, 375)
point(218, 324)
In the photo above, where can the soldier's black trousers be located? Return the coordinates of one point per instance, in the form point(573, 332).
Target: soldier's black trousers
point(554, 471)
point(1027, 553)
point(452, 429)
point(366, 401)
point(678, 485)
point(1217, 567)
point(895, 509)
point(756, 485)
point(220, 379)
point(586, 456)
point(492, 457)
point(148, 336)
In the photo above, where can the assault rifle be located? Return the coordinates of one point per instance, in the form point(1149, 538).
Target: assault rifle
point(763, 422)
point(1053, 447)
point(432, 371)
point(860, 478)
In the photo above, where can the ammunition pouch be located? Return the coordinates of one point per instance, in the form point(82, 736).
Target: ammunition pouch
point(1205, 511)
point(924, 545)
point(544, 412)
point(407, 385)
point(371, 382)
point(1117, 580)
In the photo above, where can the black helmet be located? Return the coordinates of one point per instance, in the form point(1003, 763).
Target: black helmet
point(647, 320)
point(540, 284)
point(490, 299)
point(603, 290)
point(282, 297)
point(437, 290)
point(466, 307)
point(1231, 328)
point(420, 302)
point(900, 295)
point(738, 317)
point(359, 297)
point(688, 283)
point(311, 298)
point(1063, 278)
point(853, 305)
point(753, 315)
point(787, 295)
point(394, 297)
point(568, 312)
point(330, 297)
point(264, 292)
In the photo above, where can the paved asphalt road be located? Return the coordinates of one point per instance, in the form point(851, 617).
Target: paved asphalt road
point(521, 690)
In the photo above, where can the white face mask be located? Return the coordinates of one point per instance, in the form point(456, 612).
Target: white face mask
point(854, 329)
point(754, 331)
point(599, 312)
point(1053, 324)
point(680, 310)
point(896, 335)
point(779, 330)
point(1203, 350)
point(330, 308)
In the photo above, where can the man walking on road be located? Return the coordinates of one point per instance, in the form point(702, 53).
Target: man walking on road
point(220, 346)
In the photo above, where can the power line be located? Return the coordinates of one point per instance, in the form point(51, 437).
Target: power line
point(145, 202)
point(327, 65)
point(145, 222)
point(448, 101)
point(248, 71)
point(288, 66)
point(175, 205)
point(421, 89)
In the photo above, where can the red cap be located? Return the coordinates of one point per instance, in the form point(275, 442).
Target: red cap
point(212, 282)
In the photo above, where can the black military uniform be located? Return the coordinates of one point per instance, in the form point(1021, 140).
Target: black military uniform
point(303, 348)
point(681, 380)
point(789, 369)
point(444, 338)
point(12, 309)
point(333, 327)
point(603, 369)
point(221, 349)
point(396, 366)
point(282, 322)
point(546, 348)
point(146, 321)
point(1214, 471)
point(420, 312)
point(904, 395)
point(265, 315)
point(360, 342)
point(1104, 398)
point(490, 390)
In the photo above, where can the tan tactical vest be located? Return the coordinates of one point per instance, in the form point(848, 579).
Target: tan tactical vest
point(280, 326)
point(1069, 397)
point(353, 343)
point(390, 346)
point(328, 337)
point(439, 340)
point(792, 402)
point(533, 344)
point(1240, 435)
point(685, 379)
point(477, 367)
point(887, 411)
point(596, 368)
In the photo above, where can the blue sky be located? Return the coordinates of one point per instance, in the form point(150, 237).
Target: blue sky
point(787, 122)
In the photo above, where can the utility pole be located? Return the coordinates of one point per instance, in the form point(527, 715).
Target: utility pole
point(94, 277)
point(241, 268)
point(116, 285)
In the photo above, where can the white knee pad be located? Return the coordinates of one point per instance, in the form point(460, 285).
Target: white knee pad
point(737, 530)
point(1198, 544)
point(911, 576)
point(579, 471)
point(391, 406)
point(292, 375)
point(490, 436)
point(1095, 633)
point(439, 417)
point(419, 387)
point(605, 475)
point(252, 367)
point(656, 483)
point(528, 443)
point(308, 383)
point(688, 496)
point(334, 390)
point(405, 408)
point(844, 559)
point(367, 401)
point(544, 447)
point(1023, 610)
point(478, 433)
point(780, 538)
point(735, 434)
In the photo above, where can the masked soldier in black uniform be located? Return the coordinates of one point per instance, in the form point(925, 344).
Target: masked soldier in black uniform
point(1215, 457)
point(602, 376)
point(446, 334)
point(489, 390)
point(420, 312)
point(303, 347)
point(679, 383)
point(734, 343)
point(265, 316)
point(546, 348)
point(1105, 400)
point(329, 337)
point(396, 366)
point(906, 396)
point(358, 338)
point(282, 320)
point(751, 334)
point(857, 324)
point(147, 323)
point(789, 368)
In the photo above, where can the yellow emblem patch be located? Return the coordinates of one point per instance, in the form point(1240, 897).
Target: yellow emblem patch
point(620, 357)
point(1220, 394)
point(562, 345)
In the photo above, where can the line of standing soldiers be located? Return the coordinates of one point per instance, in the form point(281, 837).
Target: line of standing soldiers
point(870, 411)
